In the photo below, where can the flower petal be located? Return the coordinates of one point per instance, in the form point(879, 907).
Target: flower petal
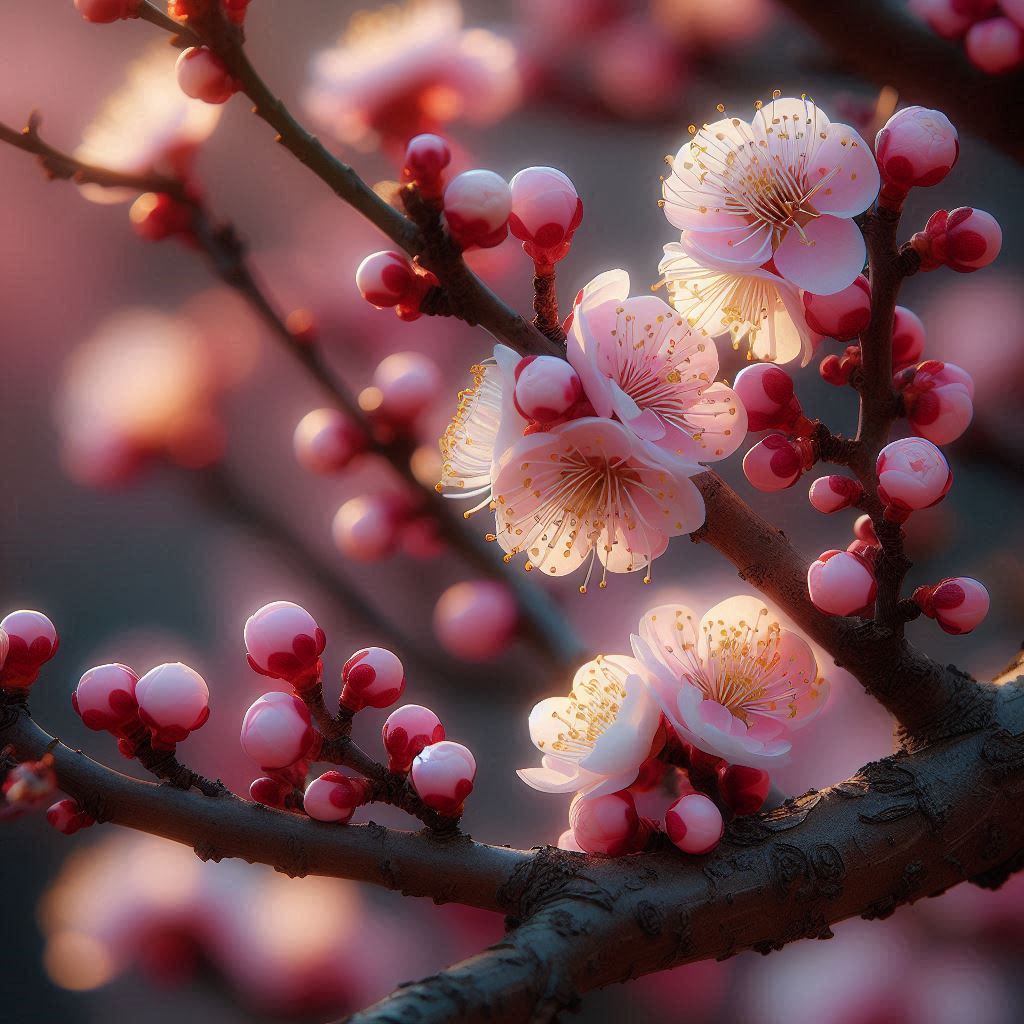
point(845, 167)
point(826, 260)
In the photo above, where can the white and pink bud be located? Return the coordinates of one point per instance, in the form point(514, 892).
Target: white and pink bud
point(743, 790)
point(775, 462)
point(957, 604)
point(546, 211)
point(326, 441)
point(335, 797)
point(277, 731)
point(912, 474)
point(388, 279)
point(908, 338)
point(996, 45)
point(426, 158)
point(174, 700)
point(841, 583)
point(963, 239)
point(842, 315)
point(404, 385)
point(546, 388)
point(833, 493)
point(31, 642)
point(766, 392)
point(476, 619)
point(155, 216)
point(938, 399)
point(609, 824)
point(916, 147)
point(283, 641)
point(407, 732)
point(373, 677)
point(694, 824)
point(103, 12)
point(204, 76)
point(67, 817)
point(366, 527)
point(477, 205)
point(442, 775)
point(105, 699)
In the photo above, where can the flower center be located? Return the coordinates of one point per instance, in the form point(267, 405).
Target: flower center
point(467, 446)
point(594, 703)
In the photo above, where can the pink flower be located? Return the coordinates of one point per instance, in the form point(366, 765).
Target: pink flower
point(442, 774)
point(694, 824)
point(277, 731)
point(916, 147)
point(476, 619)
point(640, 362)
point(595, 740)
point(546, 211)
point(546, 388)
point(766, 392)
point(732, 683)
point(833, 493)
point(105, 698)
point(173, 701)
point(753, 306)
point(965, 240)
point(31, 642)
point(912, 474)
point(372, 677)
point(589, 488)
point(67, 817)
point(938, 398)
point(958, 604)
point(841, 583)
point(608, 824)
point(407, 731)
point(775, 462)
point(335, 797)
point(783, 188)
point(842, 315)
point(283, 641)
point(326, 441)
point(477, 205)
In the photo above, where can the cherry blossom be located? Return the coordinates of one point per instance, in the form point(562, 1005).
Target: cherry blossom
point(639, 361)
point(546, 388)
point(68, 817)
point(32, 641)
point(595, 740)
point(766, 392)
point(373, 677)
point(912, 474)
point(694, 824)
point(277, 731)
point(965, 240)
point(743, 789)
point(608, 824)
point(442, 774)
point(546, 211)
point(335, 797)
point(775, 462)
point(590, 489)
point(407, 731)
point(958, 604)
point(173, 701)
point(426, 157)
point(938, 399)
point(732, 683)
point(843, 315)
point(841, 583)
point(783, 187)
point(105, 699)
point(477, 205)
point(202, 75)
point(916, 147)
point(388, 279)
point(833, 493)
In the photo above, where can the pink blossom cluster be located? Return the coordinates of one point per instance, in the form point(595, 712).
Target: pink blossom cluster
point(992, 31)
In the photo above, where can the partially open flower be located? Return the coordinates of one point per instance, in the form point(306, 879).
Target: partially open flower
point(203, 75)
point(31, 642)
point(912, 474)
point(546, 211)
point(283, 641)
point(277, 731)
point(326, 441)
point(963, 239)
point(996, 45)
point(442, 774)
point(908, 338)
point(732, 683)
point(694, 824)
point(842, 315)
point(173, 701)
point(372, 677)
point(958, 604)
point(916, 147)
point(546, 388)
point(67, 817)
point(477, 205)
point(938, 399)
point(833, 493)
point(608, 824)
point(105, 698)
point(476, 619)
point(841, 583)
point(335, 797)
point(775, 462)
point(766, 392)
point(407, 731)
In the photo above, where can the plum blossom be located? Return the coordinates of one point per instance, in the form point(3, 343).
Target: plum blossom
point(594, 741)
point(639, 361)
point(731, 683)
point(752, 306)
point(783, 187)
point(589, 488)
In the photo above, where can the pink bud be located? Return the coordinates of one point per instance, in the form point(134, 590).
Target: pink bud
point(404, 385)
point(864, 530)
point(277, 731)
point(916, 147)
point(387, 279)
point(830, 494)
point(938, 399)
point(426, 157)
point(477, 205)
point(269, 792)
point(30, 783)
point(843, 315)
point(283, 641)
point(407, 731)
point(326, 441)
point(766, 392)
point(567, 842)
point(546, 211)
point(173, 701)
point(103, 11)
point(335, 797)
point(67, 817)
point(694, 824)
point(912, 474)
point(995, 45)
point(155, 216)
point(743, 790)
point(442, 775)
point(963, 239)
point(546, 388)
point(841, 583)
point(943, 17)
point(105, 698)
point(775, 463)
point(958, 604)
point(608, 824)
point(1013, 9)
point(476, 620)
point(204, 76)
point(372, 677)
point(365, 528)
point(907, 338)
point(31, 642)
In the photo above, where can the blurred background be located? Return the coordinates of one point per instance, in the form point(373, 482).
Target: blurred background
point(144, 561)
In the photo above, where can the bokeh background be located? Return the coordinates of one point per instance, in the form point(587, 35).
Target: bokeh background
point(108, 924)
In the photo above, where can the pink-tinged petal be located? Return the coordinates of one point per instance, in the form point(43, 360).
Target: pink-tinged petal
point(667, 632)
point(601, 786)
point(845, 168)
point(746, 246)
point(719, 425)
point(763, 729)
point(827, 259)
point(632, 548)
point(786, 333)
point(744, 609)
point(712, 713)
point(790, 127)
point(625, 744)
point(547, 781)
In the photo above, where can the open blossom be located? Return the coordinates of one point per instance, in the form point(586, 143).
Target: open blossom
point(590, 489)
point(639, 361)
point(783, 187)
point(751, 305)
point(595, 740)
point(731, 683)
point(149, 125)
point(408, 69)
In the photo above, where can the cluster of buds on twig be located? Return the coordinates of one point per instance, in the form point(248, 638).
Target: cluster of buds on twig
point(992, 31)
